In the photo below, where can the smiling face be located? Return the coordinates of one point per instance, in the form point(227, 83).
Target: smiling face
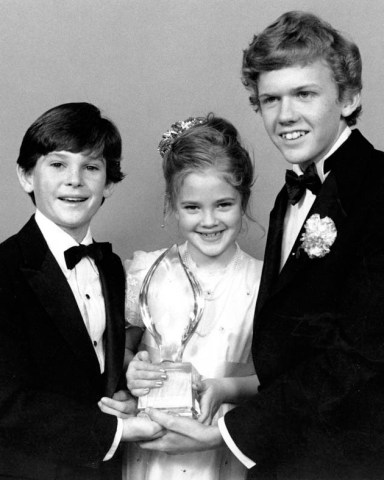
point(68, 188)
point(301, 110)
point(209, 213)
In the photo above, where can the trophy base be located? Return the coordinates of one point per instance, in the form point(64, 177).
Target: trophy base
point(176, 396)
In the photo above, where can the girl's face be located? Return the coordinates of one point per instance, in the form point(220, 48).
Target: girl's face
point(209, 213)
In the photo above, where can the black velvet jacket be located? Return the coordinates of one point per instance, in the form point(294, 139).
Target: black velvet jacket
point(318, 342)
point(50, 382)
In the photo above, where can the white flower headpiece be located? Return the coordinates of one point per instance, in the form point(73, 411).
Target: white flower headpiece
point(319, 236)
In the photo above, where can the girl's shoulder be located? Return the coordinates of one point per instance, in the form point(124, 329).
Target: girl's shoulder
point(251, 265)
point(141, 261)
point(136, 269)
point(251, 261)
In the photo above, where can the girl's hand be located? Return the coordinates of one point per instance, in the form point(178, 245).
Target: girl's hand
point(142, 375)
point(212, 395)
point(122, 405)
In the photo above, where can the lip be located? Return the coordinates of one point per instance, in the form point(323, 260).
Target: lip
point(72, 200)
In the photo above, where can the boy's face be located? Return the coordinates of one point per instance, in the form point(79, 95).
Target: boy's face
point(301, 111)
point(68, 188)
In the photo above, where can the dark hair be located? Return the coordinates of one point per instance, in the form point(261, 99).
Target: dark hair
point(73, 127)
point(213, 143)
point(302, 38)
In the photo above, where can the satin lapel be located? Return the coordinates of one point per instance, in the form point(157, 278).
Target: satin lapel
point(112, 282)
point(327, 204)
point(53, 292)
point(338, 193)
point(272, 255)
point(337, 199)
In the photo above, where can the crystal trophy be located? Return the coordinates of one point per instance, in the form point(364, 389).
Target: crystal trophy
point(171, 304)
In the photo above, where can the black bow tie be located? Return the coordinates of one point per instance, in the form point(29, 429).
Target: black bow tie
point(297, 184)
point(95, 250)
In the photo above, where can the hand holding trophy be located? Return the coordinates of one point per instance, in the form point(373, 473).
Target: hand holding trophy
point(171, 305)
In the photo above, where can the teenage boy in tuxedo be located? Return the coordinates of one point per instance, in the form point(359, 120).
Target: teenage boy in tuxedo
point(318, 343)
point(62, 309)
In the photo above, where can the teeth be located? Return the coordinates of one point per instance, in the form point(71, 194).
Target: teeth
point(210, 235)
point(292, 135)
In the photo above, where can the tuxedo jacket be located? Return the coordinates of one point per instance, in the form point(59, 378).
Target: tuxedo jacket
point(50, 381)
point(318, 343)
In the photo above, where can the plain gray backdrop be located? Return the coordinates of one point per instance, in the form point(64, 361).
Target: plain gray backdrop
point(146, 64)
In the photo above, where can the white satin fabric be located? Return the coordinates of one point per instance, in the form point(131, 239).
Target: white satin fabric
point(220, 347)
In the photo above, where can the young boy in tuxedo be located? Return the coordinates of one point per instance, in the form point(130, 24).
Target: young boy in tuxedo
point(318, 343)
point(62, 307)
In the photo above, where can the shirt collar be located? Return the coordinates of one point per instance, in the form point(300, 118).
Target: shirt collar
point(58, 240)
point(320, 164)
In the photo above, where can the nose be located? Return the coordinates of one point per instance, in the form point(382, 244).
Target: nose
point(74, 176)
point(208, 218)
point(287, 112)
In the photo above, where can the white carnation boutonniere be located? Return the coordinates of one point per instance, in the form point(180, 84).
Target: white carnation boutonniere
point(319, 236)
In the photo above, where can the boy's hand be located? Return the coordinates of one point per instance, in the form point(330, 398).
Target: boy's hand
point(122, 405)
point(182, 434)
point(142, 375)
point(135, 428)
point(141, 428)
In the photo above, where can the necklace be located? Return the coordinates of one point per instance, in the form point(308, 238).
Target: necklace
point(212, 281)
point(214, 284)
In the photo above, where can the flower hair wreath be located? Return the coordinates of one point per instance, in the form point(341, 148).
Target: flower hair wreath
point(174, 132)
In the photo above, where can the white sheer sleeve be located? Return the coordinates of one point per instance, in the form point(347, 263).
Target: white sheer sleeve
point(136, 269)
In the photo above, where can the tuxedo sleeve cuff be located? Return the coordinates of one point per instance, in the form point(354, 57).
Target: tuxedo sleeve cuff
point(247, 462)
point(116, 440)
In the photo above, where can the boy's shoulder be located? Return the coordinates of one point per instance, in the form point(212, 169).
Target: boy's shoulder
point(25, 248)
point(11, 246)
point(364, 151)
point(11, 256)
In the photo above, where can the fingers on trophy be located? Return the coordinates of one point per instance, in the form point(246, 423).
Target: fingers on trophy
point(171, 305)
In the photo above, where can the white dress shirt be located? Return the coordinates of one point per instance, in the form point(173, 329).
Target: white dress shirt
point(84, 280)
point(296, 214)
point(293, 222)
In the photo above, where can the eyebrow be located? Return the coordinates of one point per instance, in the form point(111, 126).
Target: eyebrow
point(183, 202)
point(57, 154)
point(219, 200)
point(63, 155)
point(300, 88)
point(306, 87)
point(226, 199)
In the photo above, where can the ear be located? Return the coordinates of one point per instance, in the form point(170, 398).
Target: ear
point(108, 189)
point(350, 103)
point(26, 179)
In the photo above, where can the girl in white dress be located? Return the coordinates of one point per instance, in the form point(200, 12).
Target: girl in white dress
point(208, 178)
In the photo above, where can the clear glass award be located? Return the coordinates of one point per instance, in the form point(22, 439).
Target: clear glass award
point(171, 304)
